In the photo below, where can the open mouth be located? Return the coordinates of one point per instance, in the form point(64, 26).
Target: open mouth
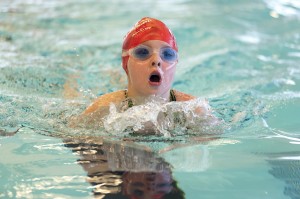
point(155, 78)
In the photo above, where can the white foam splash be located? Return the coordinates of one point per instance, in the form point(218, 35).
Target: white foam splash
point(161, 118)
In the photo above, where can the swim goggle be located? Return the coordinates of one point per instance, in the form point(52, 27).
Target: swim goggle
point(143, 52)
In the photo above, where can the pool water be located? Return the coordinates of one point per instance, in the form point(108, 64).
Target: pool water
point(56, 57)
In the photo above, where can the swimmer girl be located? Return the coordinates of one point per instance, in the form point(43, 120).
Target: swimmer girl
point(149, 58)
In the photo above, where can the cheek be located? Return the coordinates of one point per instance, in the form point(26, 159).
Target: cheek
point(140, 68)
point(137, 70)
point(169, 74)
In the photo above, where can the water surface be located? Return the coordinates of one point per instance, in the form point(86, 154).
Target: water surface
point(57, 57)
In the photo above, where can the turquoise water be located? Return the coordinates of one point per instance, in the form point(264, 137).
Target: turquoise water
point(56, 57)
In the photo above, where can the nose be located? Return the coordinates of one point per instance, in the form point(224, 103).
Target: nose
point(154, 63)
point(156, 60)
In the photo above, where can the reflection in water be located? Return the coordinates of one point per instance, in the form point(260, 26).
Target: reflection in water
point(286, 166)
point(123, 170)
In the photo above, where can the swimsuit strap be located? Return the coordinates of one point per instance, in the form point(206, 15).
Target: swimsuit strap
point(130, 103)
point(172, 96)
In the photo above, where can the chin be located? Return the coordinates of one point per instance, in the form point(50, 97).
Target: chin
point(158, 92)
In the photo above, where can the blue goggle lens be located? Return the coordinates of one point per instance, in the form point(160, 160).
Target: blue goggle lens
point(141, 53)
point(167, 54)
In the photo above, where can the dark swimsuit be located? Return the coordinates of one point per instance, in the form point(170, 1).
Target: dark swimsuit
point(130, 103)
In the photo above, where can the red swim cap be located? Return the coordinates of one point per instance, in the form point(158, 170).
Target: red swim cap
point(144, 30)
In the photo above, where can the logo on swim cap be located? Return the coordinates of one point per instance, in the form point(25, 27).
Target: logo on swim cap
point(144, 30)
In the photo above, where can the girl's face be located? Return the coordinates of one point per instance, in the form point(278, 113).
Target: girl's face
point(151, 68)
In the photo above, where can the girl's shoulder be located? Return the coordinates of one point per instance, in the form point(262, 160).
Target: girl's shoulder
point(180, 96)
point(105, 100)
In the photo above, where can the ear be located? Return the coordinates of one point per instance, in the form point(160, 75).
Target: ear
point(126, 70)
point(124, 63)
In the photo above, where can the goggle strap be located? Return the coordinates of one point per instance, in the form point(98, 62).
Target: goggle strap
point(125, 53)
